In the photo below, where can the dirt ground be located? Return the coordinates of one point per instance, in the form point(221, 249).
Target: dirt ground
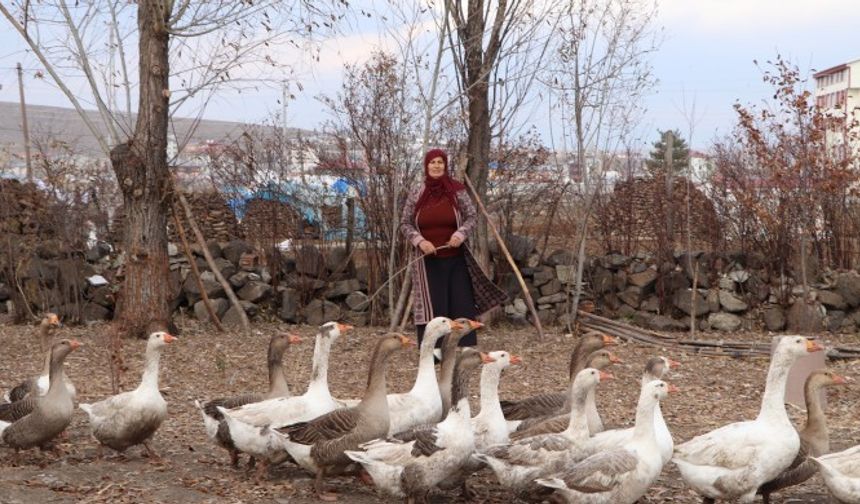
point(204, 364)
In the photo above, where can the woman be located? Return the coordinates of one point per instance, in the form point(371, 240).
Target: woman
point(437, 219)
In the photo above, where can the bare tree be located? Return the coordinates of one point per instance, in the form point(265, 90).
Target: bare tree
point(601, 71)
point(202, 47)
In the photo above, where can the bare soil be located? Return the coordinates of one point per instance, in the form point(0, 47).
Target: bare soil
point(205, 364)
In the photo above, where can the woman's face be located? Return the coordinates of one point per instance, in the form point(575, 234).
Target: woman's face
point(436, 167)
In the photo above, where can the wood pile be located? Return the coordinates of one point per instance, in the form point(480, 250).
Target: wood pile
point(25, 211)
point(268, 221)
point(637, 208)
point(214, 217)
point(721, 348)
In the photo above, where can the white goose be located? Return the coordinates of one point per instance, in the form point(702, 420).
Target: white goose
point(414, 461)
point(423, 403)
point(132, 417)
point(489, 424)
point(733, 461)
point(841, 473)
point(655, 369)
point(250, 426)
point(621, 475)
point(517, 464)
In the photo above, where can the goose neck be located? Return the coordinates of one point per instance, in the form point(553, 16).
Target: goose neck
point(773, 399)
point(319, 371)
point(643, 430)
point(150, 370)
point(490, 376)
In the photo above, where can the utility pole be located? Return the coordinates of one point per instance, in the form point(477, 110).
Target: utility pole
point(24, 123)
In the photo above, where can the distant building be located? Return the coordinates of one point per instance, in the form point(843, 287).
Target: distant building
point(837, 89)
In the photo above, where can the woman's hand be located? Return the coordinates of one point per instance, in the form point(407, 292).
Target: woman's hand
point(455, 241)
point(427, 247)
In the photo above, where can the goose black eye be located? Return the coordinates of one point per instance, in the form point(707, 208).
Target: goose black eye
point(799, 340)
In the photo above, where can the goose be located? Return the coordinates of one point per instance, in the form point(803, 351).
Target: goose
point(488, 426)
point(319, 445)
point(449, 357)
point(520, 429)
point(39, 384)
point(655, 369)
point(841, 474)
point(814, 438)
point(213, 420)
point(132, 417)
point(732, 462)
point(517, 464)
point(413, 462)
point(621, 475)
point(36, 420)
point(316, 400)
point(423, 403)
point(552, 403)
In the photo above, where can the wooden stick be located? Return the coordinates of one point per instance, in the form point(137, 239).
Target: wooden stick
point(211, 262)
point(180, 230)
point(507, 255)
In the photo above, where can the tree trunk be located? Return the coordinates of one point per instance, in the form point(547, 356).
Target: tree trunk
point(478, 147)
point(141, 171)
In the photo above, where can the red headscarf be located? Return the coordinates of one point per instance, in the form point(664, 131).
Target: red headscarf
point(437, 188)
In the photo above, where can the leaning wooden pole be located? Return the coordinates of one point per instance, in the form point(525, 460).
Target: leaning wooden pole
point(180, 230)
point(211, 262)
point(508, 256)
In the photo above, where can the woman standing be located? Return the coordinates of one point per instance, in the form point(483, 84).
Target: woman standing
point(437, 219)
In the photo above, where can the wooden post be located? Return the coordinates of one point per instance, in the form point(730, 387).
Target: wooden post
point(180, 230)
point(350, 224)
point(24, 123)
point(211, 262)
point(507, 255)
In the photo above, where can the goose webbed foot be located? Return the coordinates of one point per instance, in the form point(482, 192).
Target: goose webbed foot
point(261, 473)
point(252, 462)
point(468, 492)
point(320, 490)
point(153, 457)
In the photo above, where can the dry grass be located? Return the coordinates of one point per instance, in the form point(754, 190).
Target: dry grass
point(204, 364)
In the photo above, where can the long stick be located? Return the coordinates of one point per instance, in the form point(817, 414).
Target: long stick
point(180, 230)
point(510, 259)
point(211, 262)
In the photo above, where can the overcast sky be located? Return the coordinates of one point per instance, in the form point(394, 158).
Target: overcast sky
point(706, 57)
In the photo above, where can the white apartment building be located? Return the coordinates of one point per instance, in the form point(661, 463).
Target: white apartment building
point(837, 89)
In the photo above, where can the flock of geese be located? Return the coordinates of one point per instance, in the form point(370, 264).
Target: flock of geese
point(551, 446)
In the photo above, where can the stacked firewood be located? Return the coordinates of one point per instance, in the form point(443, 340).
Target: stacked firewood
point(212, 214)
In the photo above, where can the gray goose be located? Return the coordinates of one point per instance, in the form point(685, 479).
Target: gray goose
point(213, 419)
point(36, 420)
point(449, 357)
point(655, 369)
point(319, 445)
point(600, 359)
point(547, 404)
point(413, 462)
point(814, 438)
point(39, 384)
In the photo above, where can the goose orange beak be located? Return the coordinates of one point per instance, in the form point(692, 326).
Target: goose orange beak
point(609, 340)
point(169, 338)
point(344, 327)
point(75, 344)
point(486, 359)
point(516, 359)
point(455, 326)
point(841, 380)
point(294, 338)
point(813, 346)
point(673, 364)
point(406, 342)
point(606, 376)
point(474, 324)
point(615, 359)
point(673, 389)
